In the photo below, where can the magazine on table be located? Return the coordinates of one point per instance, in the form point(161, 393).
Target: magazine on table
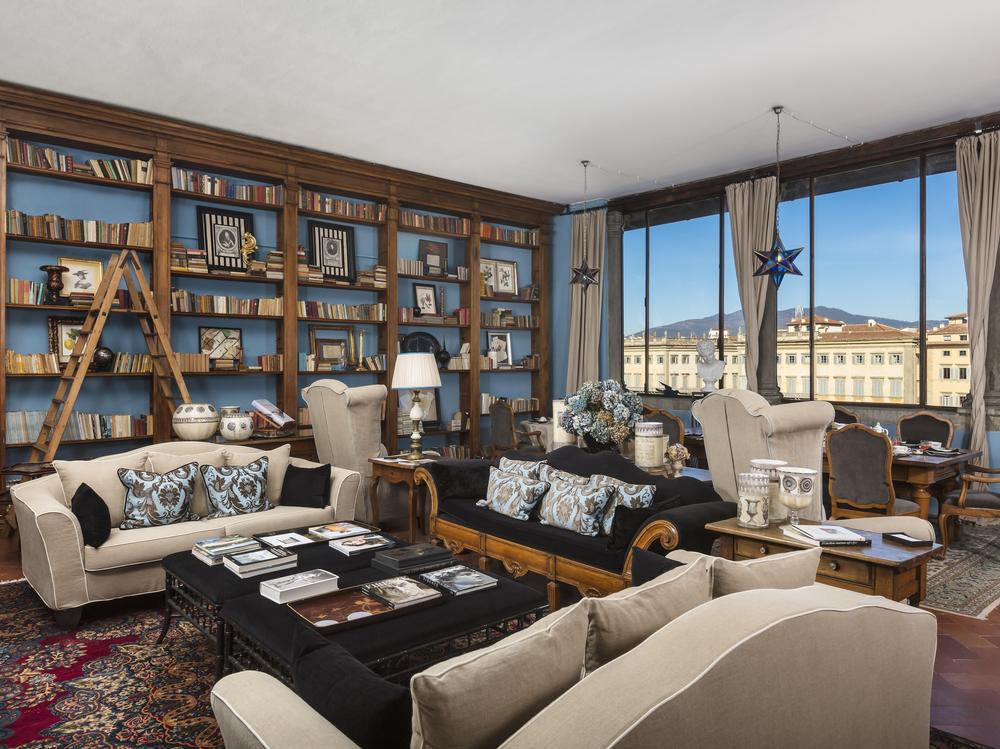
point(825, 535)
point(459, 580)
point(339, 529)
point(400, 592)
point(360, 544)
point(299, 586)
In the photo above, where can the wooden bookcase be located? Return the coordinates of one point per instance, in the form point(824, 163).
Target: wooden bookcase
point(54, 120)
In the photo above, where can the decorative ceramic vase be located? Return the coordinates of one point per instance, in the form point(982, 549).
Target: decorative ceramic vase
point(678, 466)
point(236, 427)
point(752, 502)
point(797, 488)
point(649, 444)
point(103, 357)
point(53, 280)
point(195, 421)
point(770, 467)
point(443, 357)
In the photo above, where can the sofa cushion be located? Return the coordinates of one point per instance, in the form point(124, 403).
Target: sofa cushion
point(513, 495)
point(793, 569)
point(236, 490)
point(161, 462)
point(590, 550)
point(574, 506)
point(529, 469)
point(477, 700)
point(125, 548)
point(648, 565)
point(92, 515)
point(277, 464)
point(620, 621)
point(158, 498)
point(102, 477)
point(306, 487)
point(622, 493)
point(459, 478)
point(277, 519)
point(628, 521)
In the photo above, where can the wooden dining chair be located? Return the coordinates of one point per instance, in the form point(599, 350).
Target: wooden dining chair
point(843, 415)
point(971, 502)
point(673, 427)
point(923, 426)
point(506, 435)
point(860, 463)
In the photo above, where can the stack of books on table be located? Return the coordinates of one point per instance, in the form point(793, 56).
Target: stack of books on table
point(260, 562)
point(316, 534)
point(408, 560)
point(825, 535)
point(212, 550)
point(458, 579)
point(299, 586)
point(359, 544)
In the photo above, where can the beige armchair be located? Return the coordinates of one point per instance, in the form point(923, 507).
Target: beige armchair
point(347, 429)
point(740, 425)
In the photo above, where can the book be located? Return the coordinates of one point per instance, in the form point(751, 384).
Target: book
point(407, 557)
point(212, 550)
point(299, 586)
point(825, 535)
point(271, 412)
point(264, 560)
point(459, 580)
point(338, 530)
point(415, 569)
point(400, 592)
point(359, 544)
point(906, 539)
point(285, 539)
point(264, 571)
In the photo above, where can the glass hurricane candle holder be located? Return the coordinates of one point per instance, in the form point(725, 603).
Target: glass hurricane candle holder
point(752, 503)
point(769, 467)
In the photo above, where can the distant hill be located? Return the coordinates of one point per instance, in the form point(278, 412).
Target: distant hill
point(699, 327)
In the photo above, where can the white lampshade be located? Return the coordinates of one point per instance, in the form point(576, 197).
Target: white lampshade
point(415, 372)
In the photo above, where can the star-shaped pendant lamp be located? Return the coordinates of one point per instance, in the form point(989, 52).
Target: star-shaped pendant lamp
point(585, 276)
point(778, 261)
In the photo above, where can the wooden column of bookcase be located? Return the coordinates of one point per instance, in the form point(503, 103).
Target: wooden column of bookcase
point(541, 263)
point(288, 326)
point(160, 216)
point(3, 300)
point(470, 299)
point(387, 236)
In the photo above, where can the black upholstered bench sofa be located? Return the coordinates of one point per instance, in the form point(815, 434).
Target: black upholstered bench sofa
point(560, 555)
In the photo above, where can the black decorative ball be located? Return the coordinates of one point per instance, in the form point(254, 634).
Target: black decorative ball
point(443, 357)
point(103, 357)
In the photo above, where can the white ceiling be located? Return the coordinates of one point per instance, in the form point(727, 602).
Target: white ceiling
point(511, 94)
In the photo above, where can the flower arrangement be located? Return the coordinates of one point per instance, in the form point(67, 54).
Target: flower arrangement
point(677, 453)
point(602, 412)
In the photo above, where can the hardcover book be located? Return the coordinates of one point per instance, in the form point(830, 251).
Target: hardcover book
point(399, 592)
point(406, 557)
point(286, 539)
point(359, 544)
point(259, 559)
point(459, 580)
point(299, 586)
point(338, 530)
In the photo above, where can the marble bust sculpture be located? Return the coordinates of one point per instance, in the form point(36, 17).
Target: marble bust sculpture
point(710, 368)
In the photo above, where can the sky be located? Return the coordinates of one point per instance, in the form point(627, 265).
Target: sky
point(867, 257)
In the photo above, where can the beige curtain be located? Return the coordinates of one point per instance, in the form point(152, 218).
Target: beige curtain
point(588, 242)
point(751, 214)
point(978, 166)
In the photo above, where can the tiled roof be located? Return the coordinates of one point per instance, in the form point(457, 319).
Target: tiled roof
point(865, 332)
point(820, 320)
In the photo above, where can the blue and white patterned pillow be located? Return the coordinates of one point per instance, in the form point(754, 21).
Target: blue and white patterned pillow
point(527, 468)
point(153, 499)
point(574, 506)
point(236, 490)
point(623, 494)
point(512, 495)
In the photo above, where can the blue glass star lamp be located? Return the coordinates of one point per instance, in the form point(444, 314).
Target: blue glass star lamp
point(778, 261)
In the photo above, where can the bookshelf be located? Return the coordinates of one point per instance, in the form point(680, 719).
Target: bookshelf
point(283, 188)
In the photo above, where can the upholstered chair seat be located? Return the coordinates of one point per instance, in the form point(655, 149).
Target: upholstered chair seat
point(860, 463)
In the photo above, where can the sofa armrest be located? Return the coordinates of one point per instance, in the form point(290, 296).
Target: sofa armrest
point(256, 711)
point(345, 487)
point(453, 479)
point(796, 417)
point(51, 546)
point(687, 526)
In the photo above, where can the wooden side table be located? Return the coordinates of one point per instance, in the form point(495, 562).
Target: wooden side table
point(396, 472)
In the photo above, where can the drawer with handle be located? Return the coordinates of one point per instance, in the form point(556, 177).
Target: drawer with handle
point(838, 568)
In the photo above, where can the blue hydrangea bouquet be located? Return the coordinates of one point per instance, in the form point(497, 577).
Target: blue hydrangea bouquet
point(604, 413)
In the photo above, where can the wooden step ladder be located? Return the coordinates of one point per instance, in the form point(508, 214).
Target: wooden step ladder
point(125, 266)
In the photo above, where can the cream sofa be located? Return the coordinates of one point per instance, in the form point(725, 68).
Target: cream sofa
point(814, 666)
point(66, 574)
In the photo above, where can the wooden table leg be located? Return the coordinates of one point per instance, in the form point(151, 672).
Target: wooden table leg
point(922, 497)
point(373, 498)
point(727, 547)
point(412, 502)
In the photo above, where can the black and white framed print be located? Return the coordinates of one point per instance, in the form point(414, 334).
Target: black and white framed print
point(506, 277)
point(488, 269)
point(221, 234)
point(331, 247)
point(425, 298)
point(499, 346)
point(221, 343)
point(434, 256)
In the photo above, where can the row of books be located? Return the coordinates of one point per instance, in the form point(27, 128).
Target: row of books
point(529, 293)
point(449, 224)
point(373, 363)
point(43, 157)
point(32, 363)
point(459, 316)
point(85, 300)
point(316, 201)
point(51, 226)
point(305, 421)
point(517, 405)
point(332, 311)
point(531, 361)
point(505, 318)
point(269, 363)
point(182, 300)
point(192, 362)
point(461, 361)
point(128, 363)
point(23, 426)
point(21, 291)
point(376, 277)
point(508, 234)
point(224, 187)
point(458, 452)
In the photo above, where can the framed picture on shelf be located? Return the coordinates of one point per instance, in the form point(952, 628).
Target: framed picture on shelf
point(428, 401)
point(425, 298)
point(331, 247)
point(83, 276)
point(220, 233)
point(434, 256)
point(499, 348)
point(221, 343)
point(63, 334)
point(488, 270)
point(506, 277)
point(332, 344)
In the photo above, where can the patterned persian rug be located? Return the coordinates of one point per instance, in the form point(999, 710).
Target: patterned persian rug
point(967, 580)
point(105, 685)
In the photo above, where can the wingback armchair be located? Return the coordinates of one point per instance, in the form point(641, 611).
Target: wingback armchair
point(347, 429)
point(740, 425)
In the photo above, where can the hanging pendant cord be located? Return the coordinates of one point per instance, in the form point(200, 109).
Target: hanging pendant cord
point(777, 167)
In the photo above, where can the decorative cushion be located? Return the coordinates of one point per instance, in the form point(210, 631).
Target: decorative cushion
point(277, 464)
point(574, 507)
point(236, 490)
point(793, 569)
point(166, 462)
point(102, 477)
point(623, 494)
point(306, 487)
point(647, 565)
point(512, 495)
point(622, 620)
point(477, 700)
point(529, 469)
point(93, 515)
point(153, 499)
point(628, 521)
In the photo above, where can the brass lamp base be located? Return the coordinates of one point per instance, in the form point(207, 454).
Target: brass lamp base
point(416, 446)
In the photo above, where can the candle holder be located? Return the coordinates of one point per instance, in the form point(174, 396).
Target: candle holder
point(53, 281)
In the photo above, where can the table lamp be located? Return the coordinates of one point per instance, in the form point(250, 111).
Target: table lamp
point(416, 372)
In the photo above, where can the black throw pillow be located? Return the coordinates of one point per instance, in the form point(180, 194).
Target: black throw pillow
point(647, 566)
point(629, 520)
point(90, 510)
point(306, 487)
